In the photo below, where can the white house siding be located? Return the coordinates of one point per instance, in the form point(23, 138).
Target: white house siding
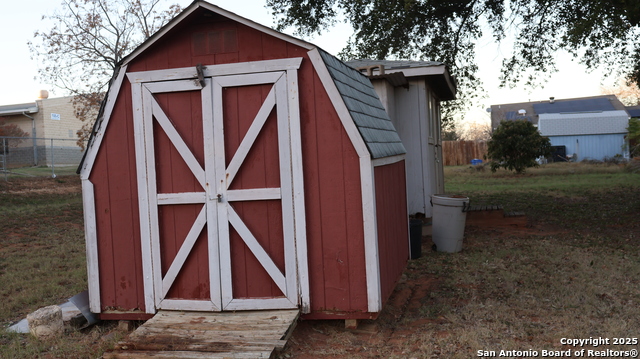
point(595, 147)
point(410, 120)
point(589, 123)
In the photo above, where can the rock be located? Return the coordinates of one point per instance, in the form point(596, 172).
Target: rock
point(46, 323)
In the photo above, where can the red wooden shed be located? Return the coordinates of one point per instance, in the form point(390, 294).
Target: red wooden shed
point(233, 167)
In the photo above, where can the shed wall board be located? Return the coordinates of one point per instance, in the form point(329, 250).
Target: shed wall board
point(591, 146)
point(333, 203)
point(392, 222)
point(116, 208)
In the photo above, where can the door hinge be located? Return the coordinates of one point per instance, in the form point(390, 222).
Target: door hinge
point(200, 71)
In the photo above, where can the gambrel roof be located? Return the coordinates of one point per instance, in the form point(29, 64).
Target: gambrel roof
point(356, 91)
point(365, 108)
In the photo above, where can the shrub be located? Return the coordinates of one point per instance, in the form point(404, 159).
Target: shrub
point(634, 137)
point(515, 145)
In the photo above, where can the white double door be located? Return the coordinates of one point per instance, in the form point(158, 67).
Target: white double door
point(216, 156)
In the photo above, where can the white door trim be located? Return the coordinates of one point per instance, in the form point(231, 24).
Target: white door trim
point(287, 282)
point(216, 195)
point(156, 286)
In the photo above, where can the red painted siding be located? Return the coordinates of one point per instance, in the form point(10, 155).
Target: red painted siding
point(333, 202)
point(117, 216)
point(333, 196)
point(393, 226)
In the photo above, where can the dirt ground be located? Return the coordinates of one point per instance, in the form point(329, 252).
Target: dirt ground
point(403, 314)
point(41, 185)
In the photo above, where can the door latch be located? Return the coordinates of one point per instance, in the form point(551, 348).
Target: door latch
point(219, 198)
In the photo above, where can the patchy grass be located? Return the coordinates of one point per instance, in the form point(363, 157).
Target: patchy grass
point(40, 171)
point(89, 343)
point(42, 256)
point(572, 272)
point(599, 200)
point(42, 262)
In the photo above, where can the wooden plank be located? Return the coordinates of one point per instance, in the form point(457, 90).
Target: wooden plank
point(388, 160)
point(298, 190)
point(186, 355)
point(256, 194)
point(250, 334)
point(181, 198)
point(254, 67)
point(141, 134)
point(288, 225)
point(91, 234)
point(172, 86)
point(148, 184)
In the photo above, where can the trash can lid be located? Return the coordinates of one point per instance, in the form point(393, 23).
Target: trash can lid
point(455, 200)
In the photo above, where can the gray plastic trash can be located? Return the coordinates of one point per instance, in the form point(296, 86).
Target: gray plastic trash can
point(449, 217)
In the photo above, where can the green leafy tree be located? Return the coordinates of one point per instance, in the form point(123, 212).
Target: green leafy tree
point(87, 41)
point(634, 137)
point(598, 32)
point(515, 145)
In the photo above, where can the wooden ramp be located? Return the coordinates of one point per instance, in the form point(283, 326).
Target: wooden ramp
point(170, 334)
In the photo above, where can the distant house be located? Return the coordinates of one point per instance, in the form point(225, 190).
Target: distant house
point(634, 111)
point(44, 119)
point(581, 128)
point(411, 92)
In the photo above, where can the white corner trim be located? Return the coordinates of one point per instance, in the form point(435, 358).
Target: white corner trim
point(388, 160)
point(372, 258)
point(92, 150)
point(372, 263)
point(91, 238)
point(299, 216)
point(139, 134)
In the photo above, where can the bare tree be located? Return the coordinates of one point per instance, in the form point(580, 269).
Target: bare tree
point(475, 131)
point(627, 92)
point(87, 41)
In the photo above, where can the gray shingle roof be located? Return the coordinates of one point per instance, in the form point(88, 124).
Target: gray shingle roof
point(365, 108)
point(392, 64)
point(590, 105)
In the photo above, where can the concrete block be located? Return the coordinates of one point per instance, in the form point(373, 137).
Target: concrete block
point(46, 323)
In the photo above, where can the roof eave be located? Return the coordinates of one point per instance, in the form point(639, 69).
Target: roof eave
point(21, 111)
point(213, 8)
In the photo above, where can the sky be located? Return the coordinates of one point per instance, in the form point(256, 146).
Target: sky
point(20, 19)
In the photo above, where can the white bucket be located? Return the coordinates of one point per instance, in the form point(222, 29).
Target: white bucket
point(449, 217)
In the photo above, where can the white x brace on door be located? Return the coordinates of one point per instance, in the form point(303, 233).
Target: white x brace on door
point(217, 214)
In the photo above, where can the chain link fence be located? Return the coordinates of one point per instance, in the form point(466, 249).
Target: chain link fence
point(38, 156)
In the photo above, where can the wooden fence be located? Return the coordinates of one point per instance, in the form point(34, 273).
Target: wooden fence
point(458, 153)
